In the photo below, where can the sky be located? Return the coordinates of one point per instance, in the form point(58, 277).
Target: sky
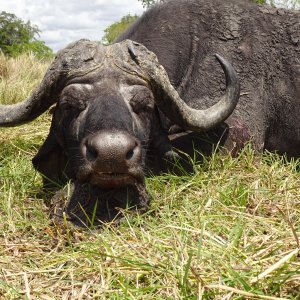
point(65, 21)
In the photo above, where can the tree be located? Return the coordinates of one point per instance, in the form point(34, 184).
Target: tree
point(17, 37)
point(114, 30)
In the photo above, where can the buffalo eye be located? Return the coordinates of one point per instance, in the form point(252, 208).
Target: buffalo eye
point(142, 101)
point(71, 106)
point(66, 106)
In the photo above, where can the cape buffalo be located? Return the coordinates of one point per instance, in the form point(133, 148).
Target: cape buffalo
point(116, 104)
point(106, 122)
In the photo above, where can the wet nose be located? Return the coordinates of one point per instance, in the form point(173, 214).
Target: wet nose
point(113, 151)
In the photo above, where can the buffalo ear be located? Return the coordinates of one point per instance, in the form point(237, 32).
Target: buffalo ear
point(52, 162)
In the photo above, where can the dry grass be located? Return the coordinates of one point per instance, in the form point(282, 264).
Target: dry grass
point(18, 76)
point(230, 231)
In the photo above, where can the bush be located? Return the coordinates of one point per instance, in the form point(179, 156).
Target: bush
point(117, 28)
point(18, 37)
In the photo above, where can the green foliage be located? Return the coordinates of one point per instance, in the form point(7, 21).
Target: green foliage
point(117, 28)
point(38, 48)
point(14, 30)
point(18, 37)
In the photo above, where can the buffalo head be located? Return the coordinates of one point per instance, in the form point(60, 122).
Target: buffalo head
point(107, 115)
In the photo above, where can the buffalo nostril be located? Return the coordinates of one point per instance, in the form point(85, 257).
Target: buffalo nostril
point(132, 152)
point(91, 153)
point(129, 154)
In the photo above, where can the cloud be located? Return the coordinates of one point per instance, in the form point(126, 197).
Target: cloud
point(64, 21)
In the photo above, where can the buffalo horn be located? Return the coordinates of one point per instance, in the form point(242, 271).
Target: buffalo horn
point(170, 103)
point(29, 109)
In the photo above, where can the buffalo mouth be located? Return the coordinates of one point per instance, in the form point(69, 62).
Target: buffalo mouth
point(112, 180)
point(109, 176)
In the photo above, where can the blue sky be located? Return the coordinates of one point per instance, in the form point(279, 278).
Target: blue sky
point(65, 21)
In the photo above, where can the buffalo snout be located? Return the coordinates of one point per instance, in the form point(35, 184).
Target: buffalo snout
point(114, 158)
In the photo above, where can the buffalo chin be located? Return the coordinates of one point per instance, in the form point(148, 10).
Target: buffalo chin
point(90, 205)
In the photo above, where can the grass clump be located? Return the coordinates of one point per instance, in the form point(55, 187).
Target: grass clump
point(228, 231)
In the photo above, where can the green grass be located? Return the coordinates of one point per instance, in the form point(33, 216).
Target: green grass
point(227, 232)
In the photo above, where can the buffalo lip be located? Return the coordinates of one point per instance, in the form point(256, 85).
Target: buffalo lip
point(112, 180)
